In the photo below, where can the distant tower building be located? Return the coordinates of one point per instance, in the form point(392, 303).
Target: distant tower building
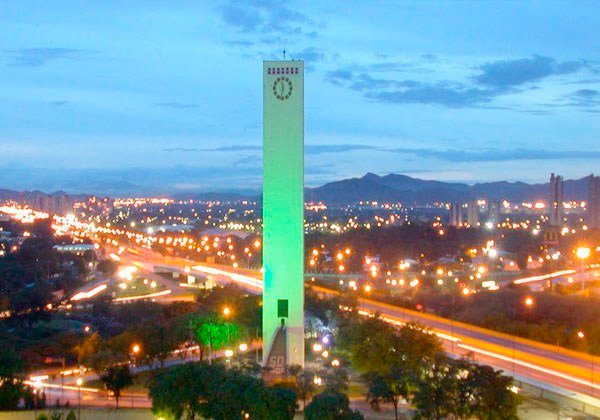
point(473, 213)
point(556, 200)
point(455, 214)
point(593, 205)
point(493, 212)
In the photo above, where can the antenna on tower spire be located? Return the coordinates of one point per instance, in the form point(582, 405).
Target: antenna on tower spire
point(284, 53)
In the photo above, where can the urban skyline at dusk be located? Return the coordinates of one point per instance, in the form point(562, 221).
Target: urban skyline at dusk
point(152, 97)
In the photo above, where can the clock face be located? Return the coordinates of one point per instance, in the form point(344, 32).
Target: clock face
point(282, 88)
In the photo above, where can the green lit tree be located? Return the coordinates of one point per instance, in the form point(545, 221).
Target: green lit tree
point(213, 332)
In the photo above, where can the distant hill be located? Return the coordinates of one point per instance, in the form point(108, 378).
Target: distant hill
point(30, 196)
point(408, 190)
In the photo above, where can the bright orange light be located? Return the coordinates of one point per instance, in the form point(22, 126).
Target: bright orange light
point(580, 334)
point(583, 252)
point(226, 311)
point(135, 349)
point(528, 301)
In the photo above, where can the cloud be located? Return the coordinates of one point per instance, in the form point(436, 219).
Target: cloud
point(239, 43)
point(584, 98)
point(37, 57)
point(494, 155)
point(248, 160)
point(509, 73)
point(177, 105)
point(439, 94)
point(262, 17)
point(336, 148)
point(234, 148)
point(311, 54)
point(310, 149)
point(452, 95)
point(495, 79)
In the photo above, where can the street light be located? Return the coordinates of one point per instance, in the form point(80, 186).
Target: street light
point(36, 391)
point(135, 349)
point(527, 302)
point(226, 311)
point(228, 355)
point(582, 253)
point(581, 336)
point(79, 382)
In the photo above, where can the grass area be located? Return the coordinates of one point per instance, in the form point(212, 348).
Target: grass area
point(137, 286)
point(357, 389)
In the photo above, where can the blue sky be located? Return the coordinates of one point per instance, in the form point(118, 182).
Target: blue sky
point(159, 97)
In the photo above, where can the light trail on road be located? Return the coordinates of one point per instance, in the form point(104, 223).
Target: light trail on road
point(551, 364)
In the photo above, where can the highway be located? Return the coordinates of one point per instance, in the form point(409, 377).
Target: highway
point(551, 364)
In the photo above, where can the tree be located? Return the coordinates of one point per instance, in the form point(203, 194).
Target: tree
point(370, 343)
point(335, 378)
point(213, 332)
point(178, 391)
point(211, 391)
point(116, 378)
point(236, 395)
point(331, 406)
point(11, 388)
point(437, 390)
point(304, 382)
point(390, 387)
point(157, 341)
point(281, 401)
point(495, 400)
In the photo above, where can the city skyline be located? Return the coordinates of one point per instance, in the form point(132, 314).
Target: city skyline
point(144, 96)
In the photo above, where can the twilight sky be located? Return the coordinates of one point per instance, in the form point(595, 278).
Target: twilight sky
point(165, 96)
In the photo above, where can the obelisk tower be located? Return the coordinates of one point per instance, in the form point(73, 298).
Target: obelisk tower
point(283, 214)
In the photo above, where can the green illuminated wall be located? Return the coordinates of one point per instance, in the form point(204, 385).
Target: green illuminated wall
point(283, 204)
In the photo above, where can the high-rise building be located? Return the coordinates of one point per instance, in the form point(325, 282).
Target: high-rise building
point(473, 213)
point(593, 205)
point(54, 203)
point(556, 200)
point(283, 211)
point(455, 214)
point(493, 212)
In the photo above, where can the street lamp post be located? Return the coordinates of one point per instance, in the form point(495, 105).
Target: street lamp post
point(582, 253)
point(581, 336)
point(79, 382)
point(528, 302)
point(228, 356)
point(135, 350)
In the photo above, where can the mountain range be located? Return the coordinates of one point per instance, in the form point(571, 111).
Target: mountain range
point(388, 188)
point(408, 190)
